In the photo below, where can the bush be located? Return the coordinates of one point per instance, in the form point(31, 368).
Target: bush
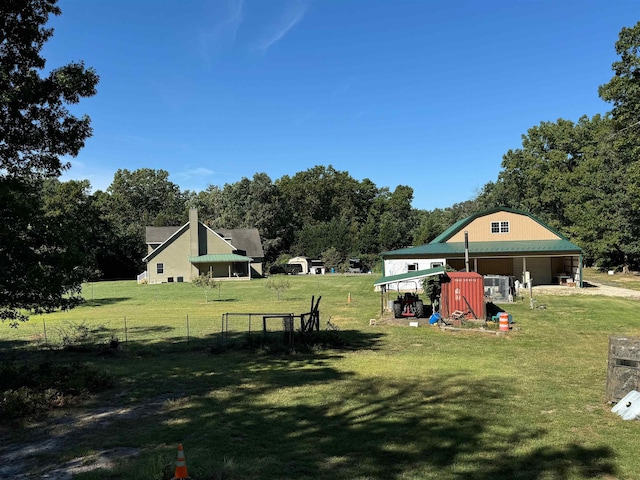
point(32, 390)
point(79, 336)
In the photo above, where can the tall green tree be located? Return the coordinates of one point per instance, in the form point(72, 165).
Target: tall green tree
point(134, 200)
point(36, 132)
point(623, 92)
point(397, 220)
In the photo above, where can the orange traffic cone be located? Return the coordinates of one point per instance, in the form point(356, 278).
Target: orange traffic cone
point(181, 465)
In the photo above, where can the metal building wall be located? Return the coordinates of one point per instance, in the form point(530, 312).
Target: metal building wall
point(464, 293)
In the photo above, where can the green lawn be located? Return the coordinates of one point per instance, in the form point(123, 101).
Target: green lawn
point(618, 279)
point(397, 403)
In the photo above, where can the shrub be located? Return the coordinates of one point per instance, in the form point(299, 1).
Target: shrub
point(81, 336)
point(32, 390)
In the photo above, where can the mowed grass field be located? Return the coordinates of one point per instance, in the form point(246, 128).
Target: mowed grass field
point(396, 402)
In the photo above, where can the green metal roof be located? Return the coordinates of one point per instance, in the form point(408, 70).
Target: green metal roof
point(220, 258)
point(456, 227)
point(509, 248)
point(405, 277)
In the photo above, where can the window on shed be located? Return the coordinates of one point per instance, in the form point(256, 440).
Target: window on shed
point(159, 268)
point(499, 227)
point(412, 267)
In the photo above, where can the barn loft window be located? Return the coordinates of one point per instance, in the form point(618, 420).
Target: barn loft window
point(499, 227)
point(160, 268)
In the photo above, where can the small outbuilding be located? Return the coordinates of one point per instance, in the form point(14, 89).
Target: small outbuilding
point(303, 262)
point(501, 241)
point(306, 265)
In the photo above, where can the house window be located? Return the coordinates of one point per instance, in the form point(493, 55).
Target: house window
point(499, 227)
point(412, 267)
point(160, 268)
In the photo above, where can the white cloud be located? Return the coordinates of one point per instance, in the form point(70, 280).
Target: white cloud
point(195, 173)
point(293, 15)
point(223, 29)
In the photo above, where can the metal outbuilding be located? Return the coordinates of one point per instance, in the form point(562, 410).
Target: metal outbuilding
point(501, 241)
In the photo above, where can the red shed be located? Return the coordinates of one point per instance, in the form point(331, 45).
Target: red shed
point(464, 293)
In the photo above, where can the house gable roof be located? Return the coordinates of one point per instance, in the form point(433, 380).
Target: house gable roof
point(246, 239)
point(167, 242)
point(459, 225)
point(159, 234)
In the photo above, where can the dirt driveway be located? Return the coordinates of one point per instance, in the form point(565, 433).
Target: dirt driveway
point(590, 288)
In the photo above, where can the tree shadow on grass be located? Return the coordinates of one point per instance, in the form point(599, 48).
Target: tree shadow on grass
point(100, 302)
point(445, 427)
point(248, 415)
point(335, 425)
point(10, 348)
point(149, 330)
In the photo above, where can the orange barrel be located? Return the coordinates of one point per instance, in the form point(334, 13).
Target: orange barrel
point(504, 322)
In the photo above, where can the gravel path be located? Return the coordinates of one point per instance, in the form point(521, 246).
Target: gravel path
point(591, 289)
point(24, 460)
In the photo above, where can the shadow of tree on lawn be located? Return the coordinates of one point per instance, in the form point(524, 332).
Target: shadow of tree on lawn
point(245, 415)
point(99, 302)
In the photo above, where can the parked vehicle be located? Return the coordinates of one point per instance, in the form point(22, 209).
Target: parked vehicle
point(408, 305)
point(356, 266)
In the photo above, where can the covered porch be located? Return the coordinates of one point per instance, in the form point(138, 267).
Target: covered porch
point(223, 266)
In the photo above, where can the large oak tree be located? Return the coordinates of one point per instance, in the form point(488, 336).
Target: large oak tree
point(41, 270)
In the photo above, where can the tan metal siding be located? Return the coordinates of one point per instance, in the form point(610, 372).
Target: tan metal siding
point(521, 227)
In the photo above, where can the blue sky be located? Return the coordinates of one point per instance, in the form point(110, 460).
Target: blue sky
point(429, 94)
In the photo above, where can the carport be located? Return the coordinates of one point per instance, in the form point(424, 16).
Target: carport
point(403, 281)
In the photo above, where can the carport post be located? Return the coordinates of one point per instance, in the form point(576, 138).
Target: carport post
point(466, 250)
point(580, 270)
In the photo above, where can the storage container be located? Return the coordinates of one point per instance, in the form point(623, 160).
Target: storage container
point(464, 292)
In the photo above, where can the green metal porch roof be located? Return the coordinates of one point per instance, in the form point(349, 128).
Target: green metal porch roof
point(489, 248)
point(220, 258)
point(406, 277)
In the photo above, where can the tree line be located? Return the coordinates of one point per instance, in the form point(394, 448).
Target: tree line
point(582, 178)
